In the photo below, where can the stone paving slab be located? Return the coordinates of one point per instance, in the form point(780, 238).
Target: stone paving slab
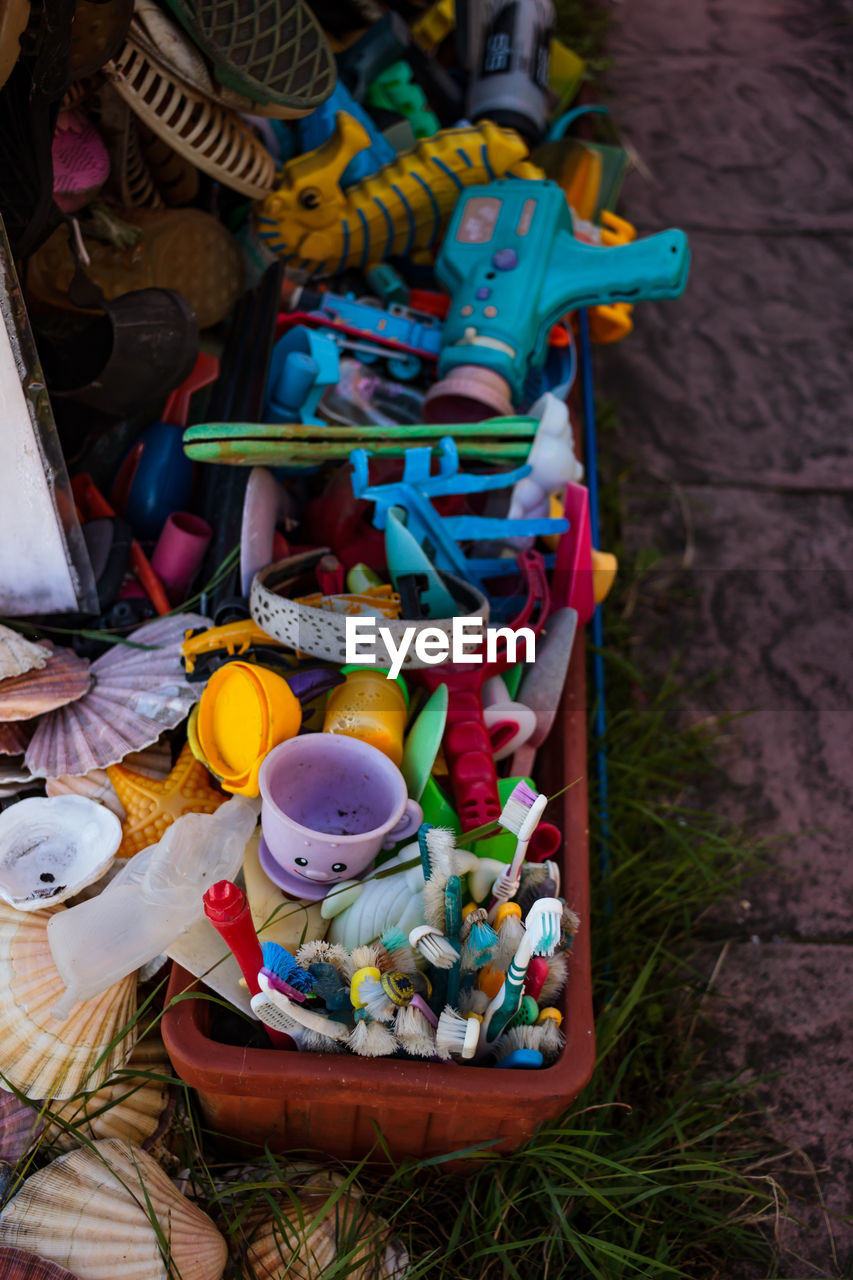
point(787, 1011)
point(746, 379)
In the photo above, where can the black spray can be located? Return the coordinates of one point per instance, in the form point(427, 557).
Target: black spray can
point(509, 65)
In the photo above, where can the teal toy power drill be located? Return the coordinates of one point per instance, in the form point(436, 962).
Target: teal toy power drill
point(513, 268)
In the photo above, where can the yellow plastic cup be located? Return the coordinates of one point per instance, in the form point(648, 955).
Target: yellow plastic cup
point(371, 707)
point(244, 712)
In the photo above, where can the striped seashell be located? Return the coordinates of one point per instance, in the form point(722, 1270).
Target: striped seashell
point(129, 1106)
point(18, 655)
point(14, 737)
point(136, 693)
point(20, 1126)
point(42, 1057)
point(18, 1264)
point(324, 1226)
point(63, 679)
point(93, 1210)
point(94, 785)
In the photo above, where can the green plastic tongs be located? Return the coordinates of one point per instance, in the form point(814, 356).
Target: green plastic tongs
point(285, 444)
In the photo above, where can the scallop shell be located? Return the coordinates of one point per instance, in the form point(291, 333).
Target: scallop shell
point(17, 1264)
point(129, 1106)
point(20, 1125)
point(93, 1211)
point(42, 1057)
point(62, 680)
point(94, 785)
point(51, 848)
point(14, 737)
point(136, 693)
point(300, 1244)
point(17, 655)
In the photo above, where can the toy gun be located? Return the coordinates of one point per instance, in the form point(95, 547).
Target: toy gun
point(513, 267)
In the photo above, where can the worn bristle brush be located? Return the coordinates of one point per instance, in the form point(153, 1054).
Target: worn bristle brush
point(473, 1000)
point(370, 1039)
point(537, 881)
point(400, 953)
point(541, 937)
point(433, 946)
point(318, 951)
point(330, 987)
point(457, 1036)
point(361, 958)
point(415, 1027)
point(441, 847)
point(371, 995)
point(551, 1039)
point(558, 970)
point(520, 815)
point(510, 931)
point(287, 976)
point(478, 939)
point(276, 1009)
point(520, 1048)
point(570, 926)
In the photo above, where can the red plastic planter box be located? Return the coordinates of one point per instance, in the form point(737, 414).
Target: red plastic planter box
point(334, 1103)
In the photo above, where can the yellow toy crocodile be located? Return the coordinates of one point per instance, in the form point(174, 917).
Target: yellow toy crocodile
point(320, 229)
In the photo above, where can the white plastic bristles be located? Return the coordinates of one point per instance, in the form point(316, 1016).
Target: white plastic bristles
point(520, 815)
point(433, 946)
point(372, 1039)
point(456, 1035)
point(270, 1004)
point(375, 1001)
point(415, 1029)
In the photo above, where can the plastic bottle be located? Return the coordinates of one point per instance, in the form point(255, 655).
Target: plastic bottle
point(509, 80)
point(371, 707)
point(153, 899)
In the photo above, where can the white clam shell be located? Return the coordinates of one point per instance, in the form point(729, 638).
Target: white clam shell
point(91, 1211)
point(51, 848)
point(42, 1057)
point(18, 655)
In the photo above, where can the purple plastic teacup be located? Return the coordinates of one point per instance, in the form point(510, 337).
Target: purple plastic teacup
point(329, 804)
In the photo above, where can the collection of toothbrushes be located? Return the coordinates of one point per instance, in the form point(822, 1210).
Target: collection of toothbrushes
point(473, 984)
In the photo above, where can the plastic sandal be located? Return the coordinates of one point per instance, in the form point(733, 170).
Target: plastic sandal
point(270, 51)
point(212, 137)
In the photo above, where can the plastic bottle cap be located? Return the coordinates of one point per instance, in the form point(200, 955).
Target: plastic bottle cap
point(223, 901)
point(504, 910)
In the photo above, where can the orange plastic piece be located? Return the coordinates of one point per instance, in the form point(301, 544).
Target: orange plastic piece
point(153, 804)
point(233, 637)
point(93, 504)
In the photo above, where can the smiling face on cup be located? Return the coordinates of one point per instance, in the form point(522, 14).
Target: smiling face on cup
point(330, 803)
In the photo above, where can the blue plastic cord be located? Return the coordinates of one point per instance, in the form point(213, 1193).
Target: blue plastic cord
point(563, 123)
point(600, 721)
